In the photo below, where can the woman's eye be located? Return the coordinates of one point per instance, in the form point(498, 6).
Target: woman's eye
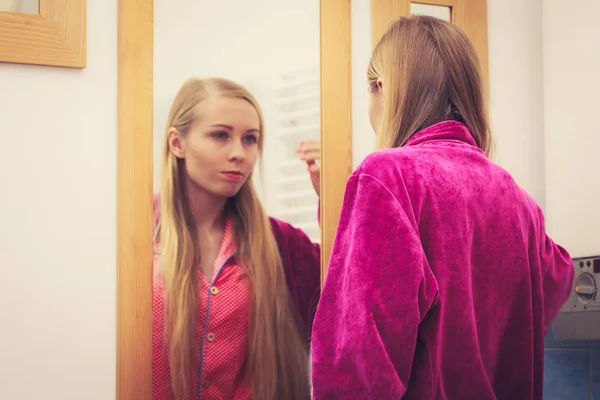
point(220, 135)
point(251, 139)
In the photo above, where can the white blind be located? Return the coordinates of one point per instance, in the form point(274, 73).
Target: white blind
point(291, 107)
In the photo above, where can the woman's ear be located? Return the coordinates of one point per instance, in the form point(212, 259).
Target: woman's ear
point(176, 143)
point(380, 88)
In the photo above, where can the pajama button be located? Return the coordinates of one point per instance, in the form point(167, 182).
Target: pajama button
point(210, 337)
point(214, 290)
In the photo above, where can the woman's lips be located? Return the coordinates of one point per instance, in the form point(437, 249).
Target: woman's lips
point(233, 175)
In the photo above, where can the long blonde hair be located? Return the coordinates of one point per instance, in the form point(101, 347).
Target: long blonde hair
point(431, 73)
point(277, 360)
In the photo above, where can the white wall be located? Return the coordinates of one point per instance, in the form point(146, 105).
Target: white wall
point(58, 230)
point(572, 130)
point(516, 90)
point(543, 98)
point(363, 138)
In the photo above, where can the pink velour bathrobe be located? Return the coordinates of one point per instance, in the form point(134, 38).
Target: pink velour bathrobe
point(442, 281)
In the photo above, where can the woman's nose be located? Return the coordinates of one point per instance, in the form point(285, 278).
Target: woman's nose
point(238, 151)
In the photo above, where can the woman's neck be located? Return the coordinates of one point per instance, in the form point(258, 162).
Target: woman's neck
point(208, 210)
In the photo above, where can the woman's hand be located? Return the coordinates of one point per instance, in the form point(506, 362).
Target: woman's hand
point(310, 152)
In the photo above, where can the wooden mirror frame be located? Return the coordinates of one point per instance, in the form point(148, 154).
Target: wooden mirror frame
point(469, 15)
point(56, 36)
point(135, 171)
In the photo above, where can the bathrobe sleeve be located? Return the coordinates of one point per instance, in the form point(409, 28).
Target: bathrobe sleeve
point(378, 289)
point(558, 274)
point(302, 264)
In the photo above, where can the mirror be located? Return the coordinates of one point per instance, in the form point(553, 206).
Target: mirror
point(432, 10)
point(20, 6)
point(44, 32)
point(272, 49)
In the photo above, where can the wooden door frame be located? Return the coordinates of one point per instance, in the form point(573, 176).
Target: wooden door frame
point(135, 171)
point(469, 15)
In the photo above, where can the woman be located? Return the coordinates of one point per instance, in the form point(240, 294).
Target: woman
point(442, 281)
point(234, 290)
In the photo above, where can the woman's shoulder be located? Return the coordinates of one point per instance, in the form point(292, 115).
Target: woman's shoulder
point(293, 243)
point(379, 162)
point(286, 232)
point(387, 169)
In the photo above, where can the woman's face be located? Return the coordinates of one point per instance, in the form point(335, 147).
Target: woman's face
point(221, 148)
